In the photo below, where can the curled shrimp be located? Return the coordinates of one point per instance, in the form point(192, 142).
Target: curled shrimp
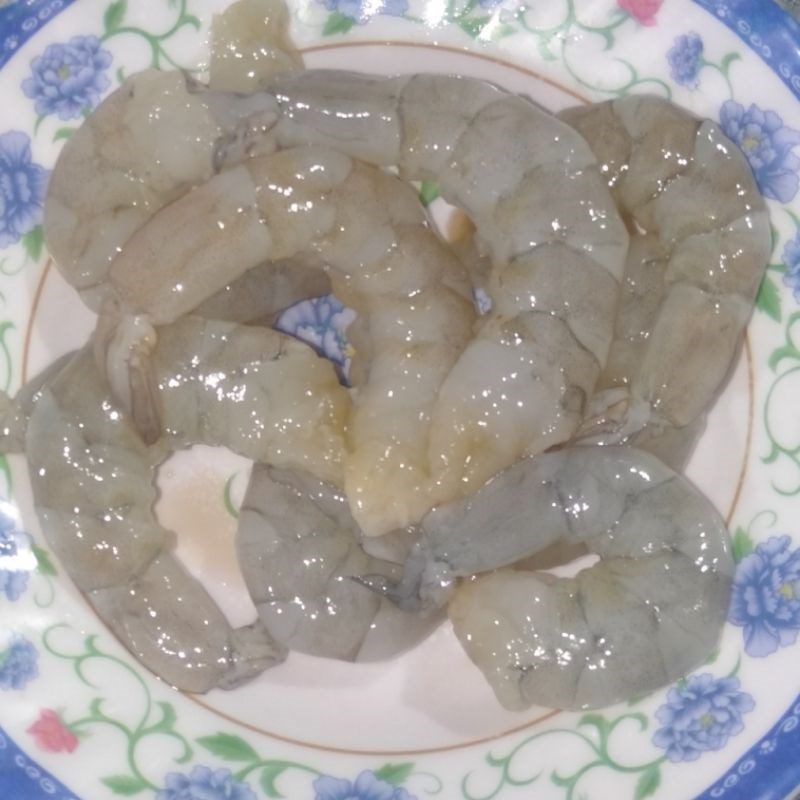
point(149, 142)
point(298, 547)
point(256, 391)
point(648, 612)
point(533, 189)
point(369, 228)
point(699, 247)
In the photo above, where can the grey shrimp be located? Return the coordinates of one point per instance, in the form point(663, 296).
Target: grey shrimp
point(699, 247)
point(256, 391)
point(648, 612)
point(299, 548)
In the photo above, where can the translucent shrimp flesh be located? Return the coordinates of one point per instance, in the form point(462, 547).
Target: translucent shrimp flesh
point(299, 548)
point(256, 391)
point(647, 613)
point(542, 212)
point(700, 241)
point(383, 260)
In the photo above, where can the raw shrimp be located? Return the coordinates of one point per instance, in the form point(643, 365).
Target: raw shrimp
point(648, 612)
point(533, 189)
point(149, 142)
point(260, 393)
point(699, 246)
point(298, 547)
point(370, 229)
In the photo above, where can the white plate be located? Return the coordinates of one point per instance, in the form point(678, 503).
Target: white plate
point(78, 712)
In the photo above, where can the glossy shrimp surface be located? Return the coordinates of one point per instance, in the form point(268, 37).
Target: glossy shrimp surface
point(299, 549)
point(259, 393)
point(648, 612)
point(542, 212)
point(699, 247)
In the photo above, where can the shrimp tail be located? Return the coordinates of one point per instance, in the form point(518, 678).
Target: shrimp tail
point(123, 347)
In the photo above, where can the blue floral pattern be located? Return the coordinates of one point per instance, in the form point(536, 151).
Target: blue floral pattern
point(767, 143)
point(321, 322)
point(22, 188)
point(701, 714)
point(361, 11)
point(18, 664)
point(367, 786)
point(766, 596)
point(204, 783)
point(685, 60)
point(68, 79)
point(16, 556)
point(791, 260)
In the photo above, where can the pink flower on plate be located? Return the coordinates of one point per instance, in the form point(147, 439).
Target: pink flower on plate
point(643, 11)
point(51, 734)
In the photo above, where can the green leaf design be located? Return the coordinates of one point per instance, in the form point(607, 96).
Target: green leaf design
point(44, 566)
point(227, 499)
point(428, 192)
point(269, 774)
point(596, 721)
point(648, 782)
point(33, 242)
point(337, 23)
point(395, 774)
point(125, 784)
point(768, 299)
point(741, 545)
point(114, 15)
point(63, 133)
point(228, 747)
point(473, 26)
point(726, 62)
point(168, 718)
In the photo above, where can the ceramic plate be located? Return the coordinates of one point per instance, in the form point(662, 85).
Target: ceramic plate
point(81, 719)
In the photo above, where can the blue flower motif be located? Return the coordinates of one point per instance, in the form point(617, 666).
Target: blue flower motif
point(16, 555)
point(765, 599)
point(367, 786)
point(685, 58)
point(791, 260)
point(203, 783)
point(767, 143)
point(701, 714)
point(321, 322)
point(18, 664)
point(22, 188)
point(361, 11)
point(68, 79)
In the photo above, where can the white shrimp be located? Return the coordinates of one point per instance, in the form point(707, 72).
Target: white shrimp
point(697, 256)
point(646, 614)
point(298, 547)
point(256, 391)
point(532, 187)
point(369, 228)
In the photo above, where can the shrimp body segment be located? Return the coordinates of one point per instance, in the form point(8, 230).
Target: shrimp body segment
point(648, 612)
point(299, 548)
point(260, 393)
point(542, 212)
point(700, 245)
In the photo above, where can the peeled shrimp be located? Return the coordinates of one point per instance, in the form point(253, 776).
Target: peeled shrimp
point(149, 142)
point(298, 548)
point(370, 230)
point(699, 247)
point(648, 612)
point(533, 189)
point(256, 391)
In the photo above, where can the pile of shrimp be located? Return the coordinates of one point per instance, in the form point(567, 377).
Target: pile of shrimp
point(616, 252)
